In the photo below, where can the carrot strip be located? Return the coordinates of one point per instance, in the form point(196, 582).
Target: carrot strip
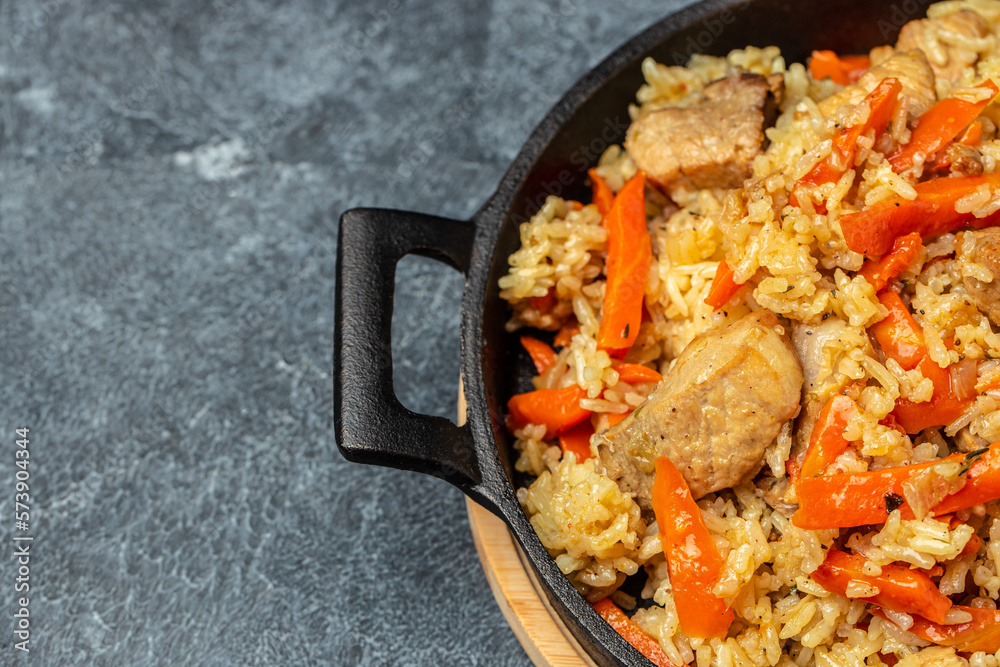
point(902, 339)
point(881, 103)
point(982, 482)
point(900, 588)
point(544, 303)
point(723, 288)
point(898, 334)
point(565, 334)
point(603, 196)
point(937, 126)
point(905, 251)
point(858, 499)
point(692, 557)
point(557, 409)
point(842, 69)
point(635, 373)
point(615, 417)
point(982, 633)
point(577, 440)
point(629, 256)
point(633, 634)
point(972, 135)
point(828, 441)
point(872, 230)
point(541, 353)
point(943, 408)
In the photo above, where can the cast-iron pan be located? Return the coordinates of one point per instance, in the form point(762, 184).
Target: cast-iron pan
point(373, 427)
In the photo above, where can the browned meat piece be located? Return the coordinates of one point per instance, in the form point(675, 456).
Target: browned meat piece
point(986, 252)
point(968, 441)
point(964, 160)
point(914, 74)
point(940, 38)
point(710, 145)
point(716, 411)
point(776, 493)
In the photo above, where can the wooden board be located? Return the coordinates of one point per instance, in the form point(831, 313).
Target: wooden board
point(535, 624)
point(542, 634)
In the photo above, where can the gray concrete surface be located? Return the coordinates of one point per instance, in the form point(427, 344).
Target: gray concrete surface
point(170, 179)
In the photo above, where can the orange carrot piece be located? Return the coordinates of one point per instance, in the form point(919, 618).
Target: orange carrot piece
point(828, 441)
point(971, 135)
point(629, 256)
point(943, 408)
point(905, 251)
point(881, 104)
point(858, 499)
point(872, 230)
point(899, 335)
point(557, 409)
point(577, 440)
point(636, 373)
point(902, 339)
point(544, 303)
point(982, 482)
point(615, 417)
point(541, 353)
point(692, 557)
point(723, 288)
point(603, 196)
point(853, 499)
point(633, 634)
point(900, 588)
point(937, 126)
point(565, 334)
point(842, 69)
point(982, 633)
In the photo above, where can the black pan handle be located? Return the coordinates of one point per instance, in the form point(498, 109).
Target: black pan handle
point(372, 426)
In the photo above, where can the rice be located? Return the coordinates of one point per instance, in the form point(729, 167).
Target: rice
point(784, 242)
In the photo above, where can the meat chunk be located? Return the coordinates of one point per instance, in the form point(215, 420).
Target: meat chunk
point(983, 247)
point(941, 40)
point(818, 347)
point(963, 160)
point(710, 145)
point(715, 412)
point(910, 67)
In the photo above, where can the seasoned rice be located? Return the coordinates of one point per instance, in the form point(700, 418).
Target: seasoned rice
point(794, 261)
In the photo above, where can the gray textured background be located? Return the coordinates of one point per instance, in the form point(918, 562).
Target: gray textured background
point(169, 179)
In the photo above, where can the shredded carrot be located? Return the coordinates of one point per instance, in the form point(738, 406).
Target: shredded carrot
point(541, 353)
point(636, 373)
point(904, 252)
point(899, 588)
point(844, 70)
point(902, 339)
point(616, 417)
point(972, 135)
point(828, 441)
point(603, 196)
point(724, 286)
point(545, 303)
point(633, 634)
point(692, 556)
point(872, 230)
point(557, 409)
point(629, 256)
point(898, 334)
point(577, 440)
point(881, 104)
point(937, 126)
point(862, 498)
point(982, 633)
point(565, 334)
